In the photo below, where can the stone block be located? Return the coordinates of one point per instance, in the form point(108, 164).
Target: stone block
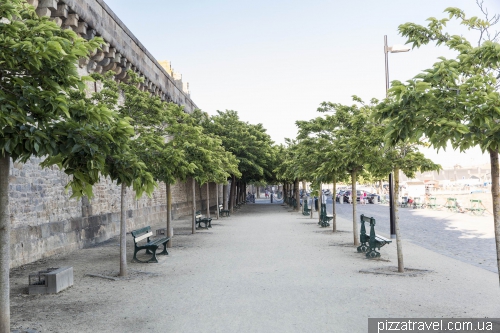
point(71, 21)
point(62, 10)
point(43, 12)
point(50, 4)
point(34, 3)
point(56, 228)
point(45, 230)
point(53, 281)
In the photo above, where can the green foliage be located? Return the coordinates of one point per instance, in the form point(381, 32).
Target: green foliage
point(42, 109)
point(250, 144)
point(346, 140)
point(456, 100)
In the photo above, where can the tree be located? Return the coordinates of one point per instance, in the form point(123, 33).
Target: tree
point(356, 141)
point(319, 156)
point(455, 101)
point(126, 163)
point(250, 144)
point(404, 157)
point(38, 77)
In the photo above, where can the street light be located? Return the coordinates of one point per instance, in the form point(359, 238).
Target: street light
point(391, 49)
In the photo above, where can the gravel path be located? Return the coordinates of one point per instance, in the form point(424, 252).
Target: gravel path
point(264, 269)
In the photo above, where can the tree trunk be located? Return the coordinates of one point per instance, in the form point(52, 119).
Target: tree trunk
point(312, 206)
point(208, 199)
point(201, 197)
point(169, 215)
point(237, 192)
point(4, 244)
point(354, 206)
point(193, 222)
point(399, 246)
point(258, 192)
point(297, 195)
point(217, 199)
point(334, 212)
point(320, 198)
point(123, 232)
point(224, 197)
point(231, 194)
point(495, 178)
point(380, 188)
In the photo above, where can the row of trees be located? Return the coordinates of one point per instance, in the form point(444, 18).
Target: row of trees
point(120, 132)
point(455, 102)
point(347, 143)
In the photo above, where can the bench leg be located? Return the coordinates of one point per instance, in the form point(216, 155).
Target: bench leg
point(165, 252)
point(372, 253)
point(152, 259)
point(362, 248)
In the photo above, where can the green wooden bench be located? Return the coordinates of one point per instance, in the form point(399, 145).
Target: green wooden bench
point(150, 246)
point(417, 203)
point(432, 203)
point(207, 221)
point(370, 244)
point(324, 218)
point(476, 207)
point(222, 211)
point(306, 211)
point(451, 204)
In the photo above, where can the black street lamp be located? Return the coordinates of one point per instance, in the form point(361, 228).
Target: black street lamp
point(391, 49)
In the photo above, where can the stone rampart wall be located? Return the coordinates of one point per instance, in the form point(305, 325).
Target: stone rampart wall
point(45, 221)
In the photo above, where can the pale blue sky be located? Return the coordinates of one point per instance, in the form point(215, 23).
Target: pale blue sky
point(275, 61)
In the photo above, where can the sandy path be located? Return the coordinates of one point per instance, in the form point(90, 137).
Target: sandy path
point(264, 269)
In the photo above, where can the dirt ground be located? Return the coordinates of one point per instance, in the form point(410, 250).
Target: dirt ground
point(264, 269)
point(31, 312)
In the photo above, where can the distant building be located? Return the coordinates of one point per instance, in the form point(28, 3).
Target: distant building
point(467, 176)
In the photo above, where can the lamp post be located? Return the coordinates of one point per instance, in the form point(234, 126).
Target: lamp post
point(391, 49)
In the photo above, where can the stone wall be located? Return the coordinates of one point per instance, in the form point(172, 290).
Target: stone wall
point(45, 221)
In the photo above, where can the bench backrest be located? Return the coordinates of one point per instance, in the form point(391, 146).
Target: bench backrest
point(365, 218)
point(141, 234)
point(363, 235)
